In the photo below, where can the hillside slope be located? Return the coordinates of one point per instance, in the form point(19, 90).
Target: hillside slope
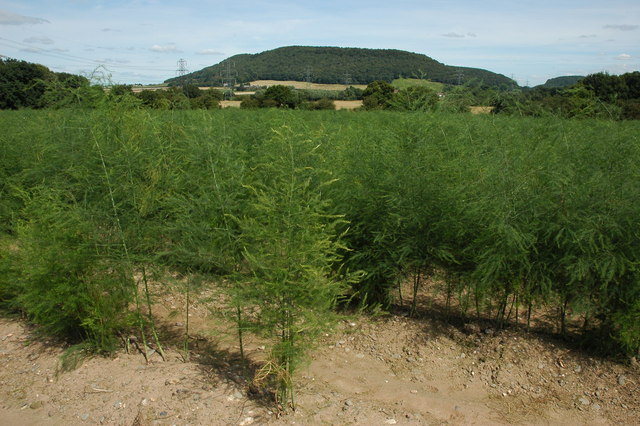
point(562, 82)
point(336, 65)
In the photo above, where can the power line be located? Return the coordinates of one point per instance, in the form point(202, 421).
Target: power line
point(64, 56)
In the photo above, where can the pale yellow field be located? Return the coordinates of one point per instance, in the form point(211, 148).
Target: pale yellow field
point(339, 104)
point(347, 104)
point(481, 109)
point(305, 85)
point(230, 104)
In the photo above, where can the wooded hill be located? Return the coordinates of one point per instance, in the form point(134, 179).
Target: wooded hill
point(561, 82)
point(336, 65)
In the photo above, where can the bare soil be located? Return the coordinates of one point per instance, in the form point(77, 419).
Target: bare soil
point(388, 369)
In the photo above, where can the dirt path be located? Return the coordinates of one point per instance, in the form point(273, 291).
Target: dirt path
point(389, 370)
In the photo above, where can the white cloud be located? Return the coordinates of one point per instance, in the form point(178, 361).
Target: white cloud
point(623, 57)
point(209, 52)
point(166, 48)
point(8, 18)
point(453, 35)
point(622, 27)
point(38, 40)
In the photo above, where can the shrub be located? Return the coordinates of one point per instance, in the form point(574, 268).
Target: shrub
point(69, 285)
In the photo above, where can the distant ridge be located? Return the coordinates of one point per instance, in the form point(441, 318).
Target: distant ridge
point(562, 82)
point(337, 65)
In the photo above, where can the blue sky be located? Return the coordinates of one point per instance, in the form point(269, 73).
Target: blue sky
point(140, 41)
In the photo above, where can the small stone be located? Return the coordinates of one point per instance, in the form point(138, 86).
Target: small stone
point(622, 379)
point(163, 414)
point(577, 369)
point(84, 417)
point(37, 404)
point(118, 404)
point(583, 401)
point(360, 356)
point(489, 332)
point(247, 421)
point(390, 422)
point(348, 403)
point(413, 391)
point(238, 395)
point(595, 406)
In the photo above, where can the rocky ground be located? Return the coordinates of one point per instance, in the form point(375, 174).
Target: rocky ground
point(388, 369)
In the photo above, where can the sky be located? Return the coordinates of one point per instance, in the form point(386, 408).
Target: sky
point(141, 41)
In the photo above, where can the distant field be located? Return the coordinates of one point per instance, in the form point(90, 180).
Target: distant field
point(339, 104)
point(230, 104)
point(305, 85)
point(138, 89)
point(481, 109)
point(403, 83)
point(347, 104)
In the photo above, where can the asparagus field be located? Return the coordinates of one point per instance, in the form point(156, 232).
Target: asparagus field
point(288, 217)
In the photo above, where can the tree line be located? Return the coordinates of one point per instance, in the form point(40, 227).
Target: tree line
point(27, 85)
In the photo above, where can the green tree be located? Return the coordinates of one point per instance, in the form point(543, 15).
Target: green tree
point(22, 84)
point(191, 91)
point(377, 95)
point(414, 98)
point(208, 99)
point(280, 96)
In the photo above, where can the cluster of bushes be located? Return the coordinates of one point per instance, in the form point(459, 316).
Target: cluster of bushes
point(381, 95)
point(27, 85)
point(377, 96)
point(595, 96)
point(279, 96)
point(186, 97)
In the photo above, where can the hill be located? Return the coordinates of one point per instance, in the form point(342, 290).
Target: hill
point(561, 82)
point(336, 65)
